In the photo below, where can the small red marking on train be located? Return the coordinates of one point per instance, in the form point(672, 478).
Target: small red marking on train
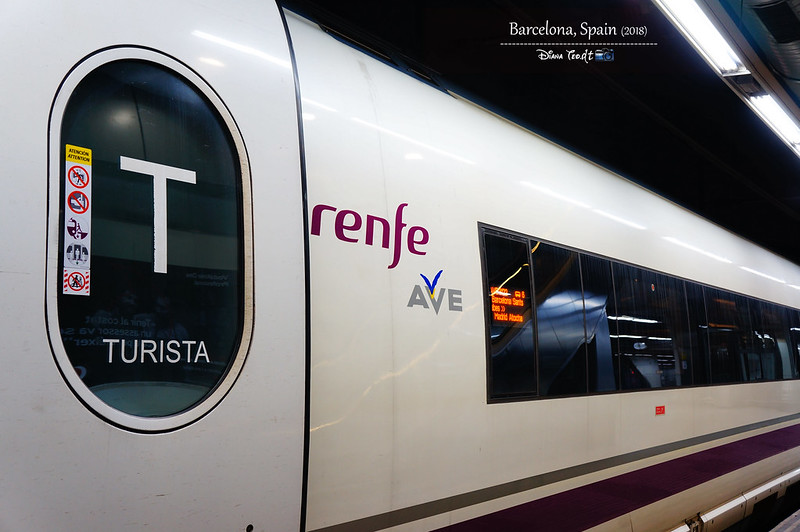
point(661, 410)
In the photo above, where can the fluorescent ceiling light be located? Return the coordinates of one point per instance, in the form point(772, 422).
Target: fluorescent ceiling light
point(634, 337)
point(699, 30)
point(779, 120)
point(631, 318)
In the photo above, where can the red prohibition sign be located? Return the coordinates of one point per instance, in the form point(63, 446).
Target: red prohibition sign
point(76, 282)
point(78, 176)
point(78, 202)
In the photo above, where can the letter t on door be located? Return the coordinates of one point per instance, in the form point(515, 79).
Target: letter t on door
point(160, 174)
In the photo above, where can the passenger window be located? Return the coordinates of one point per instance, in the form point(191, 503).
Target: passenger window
point(512, 362)
point(770, 341)
point(732, 355)
point(794, 341)
point(698, 334)
point(561, 335)
point(654, 348)
point(150, 297)
point(601, 332)
point(600, 326)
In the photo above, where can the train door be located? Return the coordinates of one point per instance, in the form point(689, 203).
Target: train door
point(174, 287)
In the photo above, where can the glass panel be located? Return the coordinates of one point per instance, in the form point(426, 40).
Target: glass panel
point(794, 341)
point(159, 321)
point(512, 363)
point(652, 329)
point(561, 336)
point(728, 331)
point(598, 290)
point(601, 333)
point(770, 340)
point(698, 333)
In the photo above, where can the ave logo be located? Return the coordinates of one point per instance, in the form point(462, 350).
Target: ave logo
point(429, 297)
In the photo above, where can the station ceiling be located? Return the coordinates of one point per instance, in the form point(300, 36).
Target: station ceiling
point(655, 113)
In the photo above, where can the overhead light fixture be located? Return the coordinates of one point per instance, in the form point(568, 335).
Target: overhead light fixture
point(631, 318)
point(777, 118)
point(691, 20)
point(695, 25)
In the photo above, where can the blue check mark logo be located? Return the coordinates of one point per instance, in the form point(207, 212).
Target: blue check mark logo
point(431, 285)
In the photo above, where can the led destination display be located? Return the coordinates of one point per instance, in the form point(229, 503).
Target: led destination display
point(509, 306)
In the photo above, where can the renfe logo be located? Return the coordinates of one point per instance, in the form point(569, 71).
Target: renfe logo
point(347, 225)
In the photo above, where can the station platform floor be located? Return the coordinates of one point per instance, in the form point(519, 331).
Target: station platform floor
point(790, 524)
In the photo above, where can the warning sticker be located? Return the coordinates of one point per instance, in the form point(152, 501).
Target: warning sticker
point(76, 282)
point(76, 154)
point(78, 177)
point(77, 220)
point(78, 202)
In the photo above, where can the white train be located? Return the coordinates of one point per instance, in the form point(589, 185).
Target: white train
point(255, 279)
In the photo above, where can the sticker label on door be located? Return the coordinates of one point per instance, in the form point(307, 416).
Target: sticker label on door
point(77, 220)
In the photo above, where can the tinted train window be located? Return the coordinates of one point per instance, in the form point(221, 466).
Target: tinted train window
point(601, 332)
point(731, 352)
point(698, 334)
point(604, 326)
point(561, 335)
point(793, 317)
point(512, 363)
point(771, 343)
point(150, 302)
point(654, 349)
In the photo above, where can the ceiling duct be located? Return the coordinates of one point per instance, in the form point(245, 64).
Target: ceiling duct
point(780, 21)
point(774, 27)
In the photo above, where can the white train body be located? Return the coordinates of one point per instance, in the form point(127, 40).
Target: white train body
point(356, 401)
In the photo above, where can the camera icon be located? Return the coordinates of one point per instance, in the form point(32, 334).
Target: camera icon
point(604, 54)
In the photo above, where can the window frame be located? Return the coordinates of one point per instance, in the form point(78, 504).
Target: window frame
point(688, 286)
point(519, 237)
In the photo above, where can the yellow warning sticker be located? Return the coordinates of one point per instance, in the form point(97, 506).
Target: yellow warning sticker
point(76, 154)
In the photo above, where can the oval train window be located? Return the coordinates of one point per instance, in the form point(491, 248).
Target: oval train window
point(149, 231)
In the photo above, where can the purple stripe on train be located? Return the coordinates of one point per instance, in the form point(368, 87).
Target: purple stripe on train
point(593, 504)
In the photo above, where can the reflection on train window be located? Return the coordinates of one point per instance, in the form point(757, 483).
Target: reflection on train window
point(512, 366)
point(770, 341)
point(159, 322)
point(728, 326)
point(698, 334)
point(560, 331)
point(793, 317)
point(651, 319)
point(603, 326)
point(601, 332)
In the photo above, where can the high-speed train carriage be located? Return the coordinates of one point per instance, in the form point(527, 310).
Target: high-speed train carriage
point(256, 279)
